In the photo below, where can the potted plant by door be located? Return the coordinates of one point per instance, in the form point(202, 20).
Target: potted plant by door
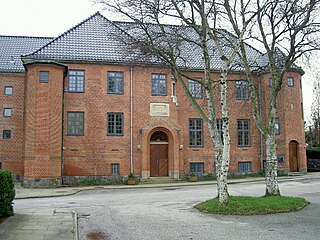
point(131, 179)
point(193, 177)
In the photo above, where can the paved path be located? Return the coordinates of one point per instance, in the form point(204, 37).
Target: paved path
point(38, 224)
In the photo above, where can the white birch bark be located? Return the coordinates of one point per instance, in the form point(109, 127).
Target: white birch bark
point(224, 168)
point(272, 187)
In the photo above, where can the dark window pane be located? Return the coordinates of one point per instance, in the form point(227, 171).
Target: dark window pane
point(115, 124)
point(159, 84)
point(242, 89)
point(44, 76)
point(197, 168)
point(115, 169)
point(195, 89)
point(243, 132)
point(76, 81)
point(6, 134)
point(244, 167)
point(75, 123)
point(115, 82)
point(195, 133)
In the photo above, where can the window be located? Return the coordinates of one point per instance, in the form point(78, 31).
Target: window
point(76, 81)
point(159, 85)
point(6, 134)
point(115, 169)
point(280, 159)
point(243, 130)
point(197, 168)
point(173, 89)
point(195, 89)
point(8, 90)
point(242, 89)
point(43, 76)
point(115, 83)
point(220, 130)
point(270, 82)
point(75, 123)
point(290, 82)
point(244, 167)
point(115, 124)
point(300, 83)
point(7, 112)
point(195, 132)
point(276, 126)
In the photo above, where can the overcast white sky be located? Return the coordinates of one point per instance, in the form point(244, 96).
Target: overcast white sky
point(50, 18)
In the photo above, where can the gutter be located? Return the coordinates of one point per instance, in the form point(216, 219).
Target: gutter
point(62, 126)
point(131, 119)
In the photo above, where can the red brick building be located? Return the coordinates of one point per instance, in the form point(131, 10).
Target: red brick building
point(79, 105)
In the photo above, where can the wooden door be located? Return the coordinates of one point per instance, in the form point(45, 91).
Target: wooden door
point(158, 160)
point(293, 156)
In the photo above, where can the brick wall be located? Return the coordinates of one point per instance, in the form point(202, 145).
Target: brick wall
point(43, 122)
point(94, 152)
point(11, 150)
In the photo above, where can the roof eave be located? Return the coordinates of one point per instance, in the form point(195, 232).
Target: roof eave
point(28, 61)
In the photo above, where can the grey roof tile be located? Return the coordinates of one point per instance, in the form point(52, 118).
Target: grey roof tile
point(99, 39)
point(12, 47)
point(94, 39)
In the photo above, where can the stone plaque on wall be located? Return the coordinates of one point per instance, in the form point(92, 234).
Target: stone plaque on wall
point(159, 109)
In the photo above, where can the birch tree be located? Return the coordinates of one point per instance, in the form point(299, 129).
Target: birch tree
point(201, 18)
point(287, 30)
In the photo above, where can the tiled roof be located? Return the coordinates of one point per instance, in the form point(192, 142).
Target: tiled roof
point(98, 39)
point(95, 39)
point(12, 47)
point(191, 55)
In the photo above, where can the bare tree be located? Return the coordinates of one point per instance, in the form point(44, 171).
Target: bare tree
point(315, 114)
point(287, 30)
point(198, 29)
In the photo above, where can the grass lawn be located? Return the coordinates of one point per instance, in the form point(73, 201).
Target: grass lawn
point(239, 205)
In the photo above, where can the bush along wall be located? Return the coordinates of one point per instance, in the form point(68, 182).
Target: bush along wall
point(313, 155)
point(7, 193)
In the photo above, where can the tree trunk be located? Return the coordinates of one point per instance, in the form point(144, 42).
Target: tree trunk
point(272, 187)
point(224, 167)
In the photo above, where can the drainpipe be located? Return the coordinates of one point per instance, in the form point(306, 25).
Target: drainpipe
point(131, 119)
point(261, 137)
point(62, 140)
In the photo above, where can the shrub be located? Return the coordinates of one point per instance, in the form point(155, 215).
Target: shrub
point(313, 153)
point(7, 193)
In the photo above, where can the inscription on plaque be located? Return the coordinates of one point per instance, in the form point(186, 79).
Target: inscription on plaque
point(159, 109)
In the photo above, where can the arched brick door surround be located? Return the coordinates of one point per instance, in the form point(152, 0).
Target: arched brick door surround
point(172, 134)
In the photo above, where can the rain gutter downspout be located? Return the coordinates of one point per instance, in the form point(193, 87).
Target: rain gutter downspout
point(131, 119)
point(62, 140)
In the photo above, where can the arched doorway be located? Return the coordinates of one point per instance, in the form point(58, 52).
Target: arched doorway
point(159, 154)
point(293, 156)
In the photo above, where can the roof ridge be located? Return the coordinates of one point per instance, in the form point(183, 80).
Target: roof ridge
point(66, 32)
point(11, 36)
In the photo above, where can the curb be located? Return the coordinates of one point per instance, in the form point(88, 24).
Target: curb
point(184, 184)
